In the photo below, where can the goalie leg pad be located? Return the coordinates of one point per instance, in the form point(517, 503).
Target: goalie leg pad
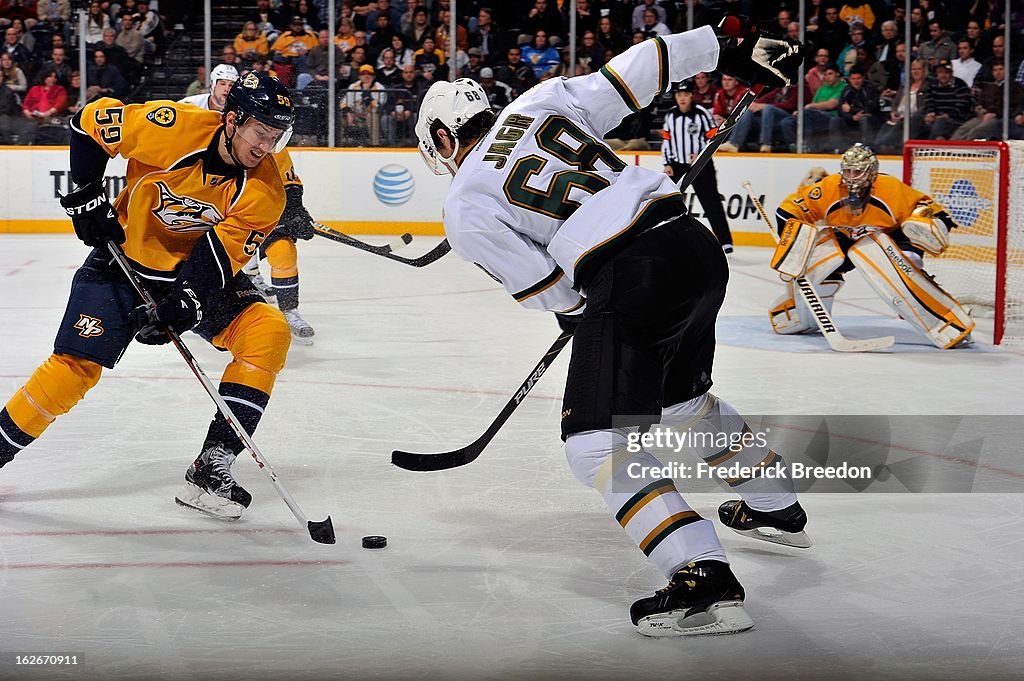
point(909, 291)
point(789, 313)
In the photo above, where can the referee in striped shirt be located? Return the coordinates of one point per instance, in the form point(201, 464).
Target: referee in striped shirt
point(684, 135)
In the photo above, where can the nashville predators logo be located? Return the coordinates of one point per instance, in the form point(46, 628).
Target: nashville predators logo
point(183, 213)
point(252, 81)
point(815, 193)
point(164, 116)
point(89, 327)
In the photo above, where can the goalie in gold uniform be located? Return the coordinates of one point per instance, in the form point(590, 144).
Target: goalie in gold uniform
point(875, 223)
point(202, 194)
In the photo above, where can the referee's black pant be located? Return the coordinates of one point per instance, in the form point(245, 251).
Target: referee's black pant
point(705, 186)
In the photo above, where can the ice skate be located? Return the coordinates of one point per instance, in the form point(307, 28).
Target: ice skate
point(265, 289)
point(301, 330)
point(785, 526)
point(703, 598)
point(210, 487)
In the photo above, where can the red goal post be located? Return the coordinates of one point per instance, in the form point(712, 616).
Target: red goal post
point(981, 184)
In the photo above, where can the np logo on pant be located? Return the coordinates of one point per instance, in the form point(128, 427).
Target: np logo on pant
point(89, 327)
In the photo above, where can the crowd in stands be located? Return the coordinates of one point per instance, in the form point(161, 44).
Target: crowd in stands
point(40, 85)
point(387, 52)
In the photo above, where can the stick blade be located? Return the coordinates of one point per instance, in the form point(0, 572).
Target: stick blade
point(321, 532)
point(865, 345)
point(411, 461)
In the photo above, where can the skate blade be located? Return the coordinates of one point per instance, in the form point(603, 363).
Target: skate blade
point(724, 617)
point(198, 499)
point(798, 540)
point(302, 340)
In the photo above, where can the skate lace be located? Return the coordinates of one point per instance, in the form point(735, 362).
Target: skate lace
point(220, 460)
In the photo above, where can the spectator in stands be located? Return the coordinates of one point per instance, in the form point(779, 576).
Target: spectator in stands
point(317, 70)
point(637, 18)
point(885, 52)
point(441, 36)
point(980, 42)
point(420, 28)
point(399, 120)
point(12, 75)
point(388, 73)
point(816, 74)
point(95, 21)
point(858, 12)
point(130, 38)
point(486, 36)
point(118, 56)
point(348, 73)
point(545, 18)
point(55, 13)
point(819, 113)
point(769, 110)
point(270, 22)
point(610, 36)
point(874, 72)
point(104, 79)
point(540, 56)
point(403, 55)
point(726, 99)
point(149, 24)
point(24, 36)
point(405, 23)
point(948, 103)
point(704, 90)
point(833, 33)
point(380, 38)
point(12, 123)
point(890, 136)
point(499, 94)
point(590, 53)
point(858, 110)
point(12, 46)
point(965, 66)
point(230, 57)
point(848, 57)
point(652, 27)
point(988, 120)
point(345, 37)
point(310, 15)
point(427, 57)
point(360, 109)
point(998, 55)
point(59, 64)
point(198, 84)
point(44, 101)
point(516, 73)
point(586, 19)
point(476, 63)
point(289, 51)
point(250, 43)
point(389, 8)
point(939, 47)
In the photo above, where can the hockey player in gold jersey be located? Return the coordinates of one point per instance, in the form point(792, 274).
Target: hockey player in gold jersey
point(295, 223)
point(875, 223)
point(202, 193)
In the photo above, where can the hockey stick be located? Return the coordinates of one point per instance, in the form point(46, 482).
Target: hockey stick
point(319, 531)
point(822, 318)
point(430, 256)
point(390, 247)
point(460, 457)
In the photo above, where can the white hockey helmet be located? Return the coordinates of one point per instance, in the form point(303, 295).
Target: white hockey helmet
point(223, 72)
point(453, 104)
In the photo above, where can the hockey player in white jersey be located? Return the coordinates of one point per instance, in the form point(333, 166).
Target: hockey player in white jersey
point(545, 207)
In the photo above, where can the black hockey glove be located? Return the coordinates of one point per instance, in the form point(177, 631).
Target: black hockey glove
point(757, 58)
point(179, 310)
point(92, 215)
point(295, 221)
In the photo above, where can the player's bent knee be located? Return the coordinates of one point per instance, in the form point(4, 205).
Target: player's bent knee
point(53, 390)
point(589, 451)
point(898, 279)
point(258, 340)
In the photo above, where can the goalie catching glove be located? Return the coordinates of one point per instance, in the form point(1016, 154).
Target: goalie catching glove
point(92, 215)
point(926, 231)
point(754, 57)
point(179, 311)
point(296, 222)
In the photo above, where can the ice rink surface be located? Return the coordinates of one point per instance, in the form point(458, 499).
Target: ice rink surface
point(504, 569)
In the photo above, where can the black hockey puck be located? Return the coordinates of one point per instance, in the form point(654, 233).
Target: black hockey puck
point(374, 541)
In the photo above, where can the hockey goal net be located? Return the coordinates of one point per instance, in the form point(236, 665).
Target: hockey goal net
point(981, 184)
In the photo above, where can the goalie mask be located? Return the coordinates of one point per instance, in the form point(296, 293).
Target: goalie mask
point(859, 168)
point(450, 105)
